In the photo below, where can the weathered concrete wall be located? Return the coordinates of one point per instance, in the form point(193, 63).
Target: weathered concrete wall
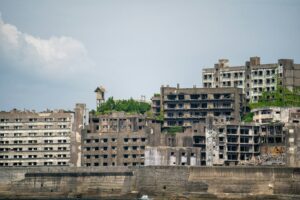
point(80, 120)
point(212, 182)
point(65, 182)
point(160, 182)
point(163, 156)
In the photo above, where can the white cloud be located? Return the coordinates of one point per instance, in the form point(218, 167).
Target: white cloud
point(56, 57)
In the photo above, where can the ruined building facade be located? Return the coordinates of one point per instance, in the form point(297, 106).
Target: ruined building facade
point(187, 106)
point(222, 144)
point(253, 77)
point(117, 139)
point(213, 131)
point(207, 123)
point(249, 143)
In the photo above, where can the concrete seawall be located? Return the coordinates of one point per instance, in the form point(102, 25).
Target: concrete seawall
point(160, 182)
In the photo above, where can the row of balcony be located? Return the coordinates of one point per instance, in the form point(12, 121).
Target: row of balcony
point(4, 128)
point(166, 107)
point(34, 120)
point(38, 158)
point(197, 97)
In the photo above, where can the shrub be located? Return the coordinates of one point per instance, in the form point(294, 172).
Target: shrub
point(128, 106)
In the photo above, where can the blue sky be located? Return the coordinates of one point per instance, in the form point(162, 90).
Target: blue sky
point(55, 53)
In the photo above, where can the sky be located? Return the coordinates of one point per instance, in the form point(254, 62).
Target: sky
point(54, 53)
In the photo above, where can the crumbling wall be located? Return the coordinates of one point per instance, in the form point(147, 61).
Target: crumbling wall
point(212, 147)
point(271, 155)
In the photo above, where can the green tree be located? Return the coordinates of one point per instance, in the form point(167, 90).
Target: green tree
point(129, 106)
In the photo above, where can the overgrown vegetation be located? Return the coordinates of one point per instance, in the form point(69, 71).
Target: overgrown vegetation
point(174, 129)
point(248, 117)
point(160, 117)
point(128, 106)
point(281, 97)
point(151, 115)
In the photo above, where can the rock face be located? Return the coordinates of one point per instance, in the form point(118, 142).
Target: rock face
point(160, 182)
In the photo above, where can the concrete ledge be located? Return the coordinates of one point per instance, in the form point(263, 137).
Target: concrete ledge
point(78, 174)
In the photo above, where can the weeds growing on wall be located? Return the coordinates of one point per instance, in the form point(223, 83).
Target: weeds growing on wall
point(281, 97)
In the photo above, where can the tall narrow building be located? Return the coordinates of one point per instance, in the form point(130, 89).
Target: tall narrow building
point(100, 95)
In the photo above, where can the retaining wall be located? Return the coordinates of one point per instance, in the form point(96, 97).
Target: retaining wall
point(160, 182)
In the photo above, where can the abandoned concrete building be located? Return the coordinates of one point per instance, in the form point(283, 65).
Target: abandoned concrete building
point(117, 139)
point(264, 141)
point(220, 140)
point(253, 77)
point(177, 149)
point(187, 106)
point(212, 133)
point(29, 138)
point(290, 117)
point(233, 144)
point(219, 144)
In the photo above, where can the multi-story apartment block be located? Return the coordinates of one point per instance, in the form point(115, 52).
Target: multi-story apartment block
point(237, 143)
point(28, 138)
point(187, 106)
point(253, 77)
point(117, 139)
